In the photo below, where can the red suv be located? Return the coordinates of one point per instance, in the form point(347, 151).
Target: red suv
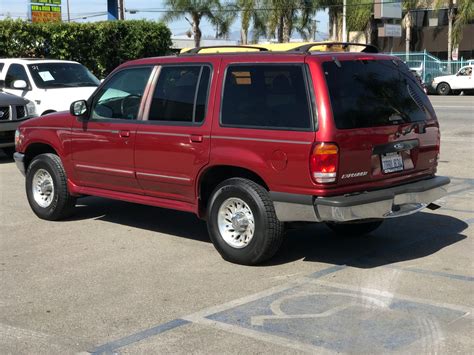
point(246, 141)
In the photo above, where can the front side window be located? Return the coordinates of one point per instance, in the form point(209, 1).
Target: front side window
point(466, 71)
point(121, 96)
point(266, 96)
point(181, 94)
point(14, 73)
point(61, 75)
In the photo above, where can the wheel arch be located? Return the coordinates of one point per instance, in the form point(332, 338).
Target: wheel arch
point(35, 149)
point(214, 175)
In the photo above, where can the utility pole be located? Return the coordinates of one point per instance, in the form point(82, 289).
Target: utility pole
point(344, 29)
point(121, 10)
point(68, 12)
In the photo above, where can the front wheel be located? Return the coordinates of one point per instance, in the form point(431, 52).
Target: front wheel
point(242, 222)
point(46, 188)
point(354, 229)
point(443, 89)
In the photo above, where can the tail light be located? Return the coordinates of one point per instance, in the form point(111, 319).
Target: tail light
point(324, 162)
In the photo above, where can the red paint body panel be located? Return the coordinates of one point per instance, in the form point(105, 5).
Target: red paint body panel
point(161, 165)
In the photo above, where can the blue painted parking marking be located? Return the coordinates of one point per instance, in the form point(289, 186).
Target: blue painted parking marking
point(317, 315)
point(110, 347)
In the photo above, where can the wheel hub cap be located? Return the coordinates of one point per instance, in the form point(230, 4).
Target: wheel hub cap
point(43, 188)
point(236, 222)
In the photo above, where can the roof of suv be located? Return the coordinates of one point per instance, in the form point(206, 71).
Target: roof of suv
point(255, 57)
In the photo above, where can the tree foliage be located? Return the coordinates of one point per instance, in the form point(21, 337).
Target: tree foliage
point(100, 46)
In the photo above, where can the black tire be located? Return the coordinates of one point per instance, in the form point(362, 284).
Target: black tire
point(443, 89)
point(354, 229)
point(268, 230)
point(9, 151)
point(62, 204)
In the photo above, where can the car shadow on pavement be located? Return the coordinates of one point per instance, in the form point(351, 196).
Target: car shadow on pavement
point(155, 219)
point(399, 239)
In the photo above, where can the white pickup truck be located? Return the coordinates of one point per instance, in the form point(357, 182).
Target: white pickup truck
point(463, 80)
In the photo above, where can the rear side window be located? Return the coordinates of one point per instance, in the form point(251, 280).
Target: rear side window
point(266, 96)
point(368, 93)
point(181, 94)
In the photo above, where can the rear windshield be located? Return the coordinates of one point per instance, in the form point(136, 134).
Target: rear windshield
point(368, 93)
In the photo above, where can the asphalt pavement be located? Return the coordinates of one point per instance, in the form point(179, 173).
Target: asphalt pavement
point(130, 279)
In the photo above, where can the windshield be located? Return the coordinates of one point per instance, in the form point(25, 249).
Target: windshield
point(61, 75)
point(367, 93)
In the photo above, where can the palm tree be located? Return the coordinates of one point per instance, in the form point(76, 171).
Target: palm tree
point(223, 18)
point(287, 15)
point(460, 12)
point(251, 13)
point(196, 9)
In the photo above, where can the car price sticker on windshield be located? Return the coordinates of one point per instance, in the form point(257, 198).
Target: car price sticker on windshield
point(392, 162)
point(46, 76)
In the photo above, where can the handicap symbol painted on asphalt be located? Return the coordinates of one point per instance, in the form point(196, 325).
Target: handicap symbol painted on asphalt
point(343, 321)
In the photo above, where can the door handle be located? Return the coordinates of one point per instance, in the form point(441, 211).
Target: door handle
point(196, 138)
point(124, 134)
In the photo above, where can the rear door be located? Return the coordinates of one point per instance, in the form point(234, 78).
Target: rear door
point(173, 142)
point(386, 128)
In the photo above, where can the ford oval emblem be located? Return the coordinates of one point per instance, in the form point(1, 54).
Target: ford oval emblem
point(2, 114)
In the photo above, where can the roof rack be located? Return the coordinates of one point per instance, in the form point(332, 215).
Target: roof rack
point(198, 49)
point(345, 45)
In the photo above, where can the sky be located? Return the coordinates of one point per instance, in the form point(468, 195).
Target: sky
point(94, 10)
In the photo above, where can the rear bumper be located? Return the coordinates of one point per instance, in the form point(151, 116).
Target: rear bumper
point(386, 203)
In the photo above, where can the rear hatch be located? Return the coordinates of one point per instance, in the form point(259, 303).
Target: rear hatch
point(385, 126)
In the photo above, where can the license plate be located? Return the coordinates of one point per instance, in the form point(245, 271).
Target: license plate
point(392, 162)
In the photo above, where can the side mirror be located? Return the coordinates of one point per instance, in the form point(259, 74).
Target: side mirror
point(20, 84)
point(78, 108)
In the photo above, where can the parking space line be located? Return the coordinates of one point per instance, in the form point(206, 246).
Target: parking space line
point(133, 338)
point(433, 273)
point(272, 339)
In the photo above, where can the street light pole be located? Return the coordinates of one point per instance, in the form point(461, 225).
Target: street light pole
point(68, 12)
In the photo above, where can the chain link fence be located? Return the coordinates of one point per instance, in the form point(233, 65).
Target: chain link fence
point(428, 66)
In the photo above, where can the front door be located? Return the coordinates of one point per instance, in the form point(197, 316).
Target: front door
point(172, 145)
point(103, 144)
point(464, 79)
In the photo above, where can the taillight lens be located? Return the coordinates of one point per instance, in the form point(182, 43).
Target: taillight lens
point(324, 162)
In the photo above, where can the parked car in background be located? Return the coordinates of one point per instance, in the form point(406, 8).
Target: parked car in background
point(50, 84)
point(462, 81)
point(13, 111)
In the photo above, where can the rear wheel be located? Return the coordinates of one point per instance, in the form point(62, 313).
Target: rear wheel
point(354, 229)
point(46, 188)
point(443, 89)
point(242, 222)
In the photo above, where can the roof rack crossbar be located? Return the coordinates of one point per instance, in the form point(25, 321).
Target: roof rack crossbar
point(198, 49)
point(307, 47)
